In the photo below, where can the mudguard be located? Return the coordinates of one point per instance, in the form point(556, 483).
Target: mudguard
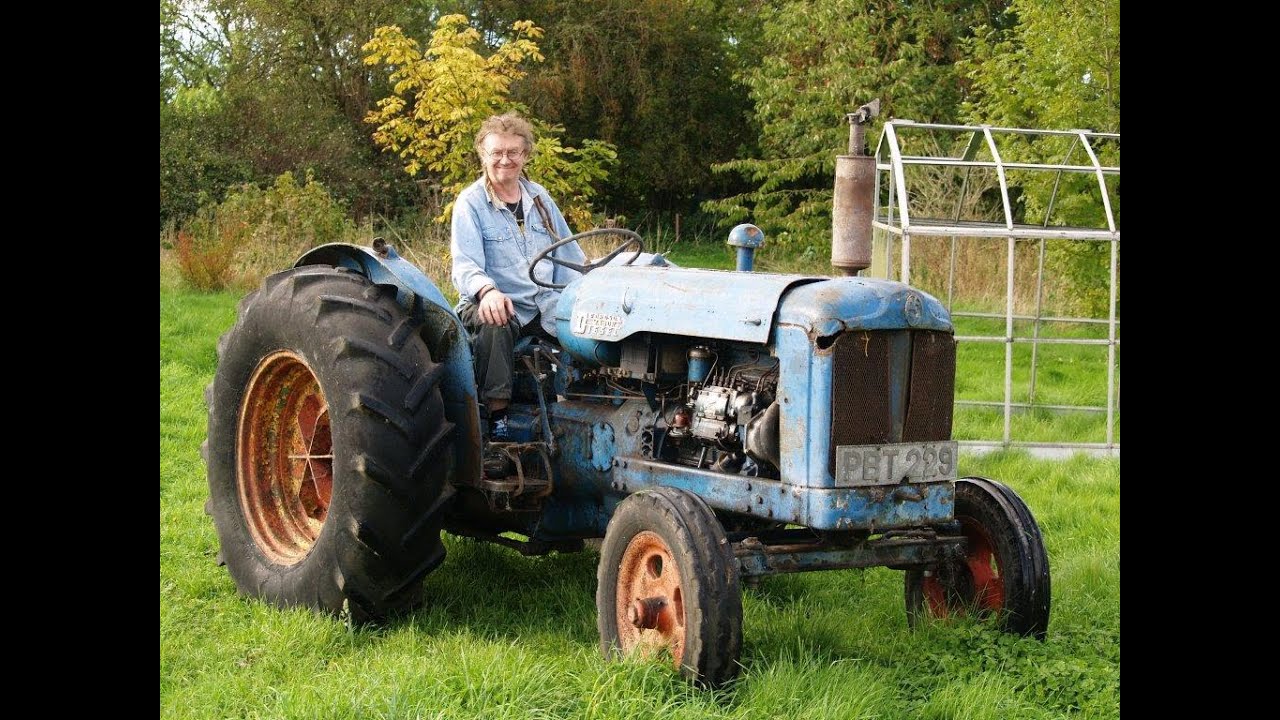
point(443, 331)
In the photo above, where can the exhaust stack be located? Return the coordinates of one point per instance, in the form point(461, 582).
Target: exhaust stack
point(747, 238)
point(854, 192)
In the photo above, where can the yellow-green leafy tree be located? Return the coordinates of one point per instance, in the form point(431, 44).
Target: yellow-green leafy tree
point(441, 95)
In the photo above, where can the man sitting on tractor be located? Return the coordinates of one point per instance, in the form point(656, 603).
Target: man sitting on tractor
point(500, 222)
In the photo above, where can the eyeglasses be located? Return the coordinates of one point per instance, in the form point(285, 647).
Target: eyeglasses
point(511, 154)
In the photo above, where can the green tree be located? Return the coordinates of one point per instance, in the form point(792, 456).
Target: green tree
point(190, 47)
point(822, 59)
point(291, 91)
point(193, 168)
point(654, 77)
point(1057, 67)
point(441, 96)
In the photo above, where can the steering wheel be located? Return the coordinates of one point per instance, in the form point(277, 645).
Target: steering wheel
point(630, 237)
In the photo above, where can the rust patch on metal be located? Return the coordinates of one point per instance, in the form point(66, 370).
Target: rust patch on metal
point(971, 581)
point(284, 448)
point(649, 605)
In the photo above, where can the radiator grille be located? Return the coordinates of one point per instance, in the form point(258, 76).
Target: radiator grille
point(862, 384)
point(933, 387)
point(860, 408)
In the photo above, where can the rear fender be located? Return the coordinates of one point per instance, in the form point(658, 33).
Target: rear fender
point(442, 330)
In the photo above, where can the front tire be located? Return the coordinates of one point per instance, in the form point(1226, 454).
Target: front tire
point(328, 451)
point(668, 582)
point(1004, 573)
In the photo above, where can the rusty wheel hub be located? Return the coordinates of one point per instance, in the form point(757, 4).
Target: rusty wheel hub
point(973, 583)
point(650, 601)
point(285, 452)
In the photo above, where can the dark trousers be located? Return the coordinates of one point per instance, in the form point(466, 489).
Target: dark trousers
point(494, 350)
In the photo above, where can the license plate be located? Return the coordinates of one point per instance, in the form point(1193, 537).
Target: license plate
point(895, 463)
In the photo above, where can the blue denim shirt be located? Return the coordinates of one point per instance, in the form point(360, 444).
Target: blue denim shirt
point(489, 248)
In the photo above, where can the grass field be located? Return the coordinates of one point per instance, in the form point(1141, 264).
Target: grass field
point(504, 636)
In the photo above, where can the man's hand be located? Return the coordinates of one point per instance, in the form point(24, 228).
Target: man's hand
point(496, 308)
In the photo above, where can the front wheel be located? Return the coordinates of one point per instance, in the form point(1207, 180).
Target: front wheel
point(328, 451)
point(668, 584)
point(1004, 573)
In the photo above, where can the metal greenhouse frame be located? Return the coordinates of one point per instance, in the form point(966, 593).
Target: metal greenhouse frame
point(984, 149)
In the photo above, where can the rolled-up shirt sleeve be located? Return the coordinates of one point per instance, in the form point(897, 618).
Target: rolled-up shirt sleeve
point(466, 244)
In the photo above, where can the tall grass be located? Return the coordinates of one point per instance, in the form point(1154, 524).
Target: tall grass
point(504, 636)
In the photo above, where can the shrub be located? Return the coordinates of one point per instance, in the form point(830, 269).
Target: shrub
point(205, 261)
point(256, 231)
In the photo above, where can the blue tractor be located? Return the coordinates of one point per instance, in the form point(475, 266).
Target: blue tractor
point(713, 427)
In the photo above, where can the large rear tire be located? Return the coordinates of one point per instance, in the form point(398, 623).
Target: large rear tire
point(1005, 571)
point(668, 582)
point(328, 452)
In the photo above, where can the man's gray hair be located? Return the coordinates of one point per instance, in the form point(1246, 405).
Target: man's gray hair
point(508, 123)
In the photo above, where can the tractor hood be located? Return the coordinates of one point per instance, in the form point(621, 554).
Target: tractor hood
point(613, 303)
point(835, 305)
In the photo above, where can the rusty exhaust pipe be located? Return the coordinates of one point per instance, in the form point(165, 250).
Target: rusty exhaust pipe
point(854, 193)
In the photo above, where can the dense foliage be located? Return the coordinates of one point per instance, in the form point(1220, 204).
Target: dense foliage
point(441, 96)
point(644, 107)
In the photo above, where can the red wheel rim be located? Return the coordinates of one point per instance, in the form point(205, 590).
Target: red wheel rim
point(650, 602)
point(285, 450)
point(976, 583)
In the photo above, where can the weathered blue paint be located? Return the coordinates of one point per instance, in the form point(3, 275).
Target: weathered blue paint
point(595, 353)
point(804, 413)
point(595, 473)
point(810, 313)
point(746, 237)
point(588, 450)
point(835, 305)
point(602, 450)
point(614, 303)
point(566, 516)
point(381, 268)
point(699, 366)
point(878, 508)
point(444, 331)
point(583, 499)
point(810, 316)
point(522, 426)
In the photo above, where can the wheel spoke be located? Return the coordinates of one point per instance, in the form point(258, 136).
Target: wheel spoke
point(983, 563)
point(616, 252)
point(316, 485)
point(571, 265)
point(285, 474)
point(309, 410)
